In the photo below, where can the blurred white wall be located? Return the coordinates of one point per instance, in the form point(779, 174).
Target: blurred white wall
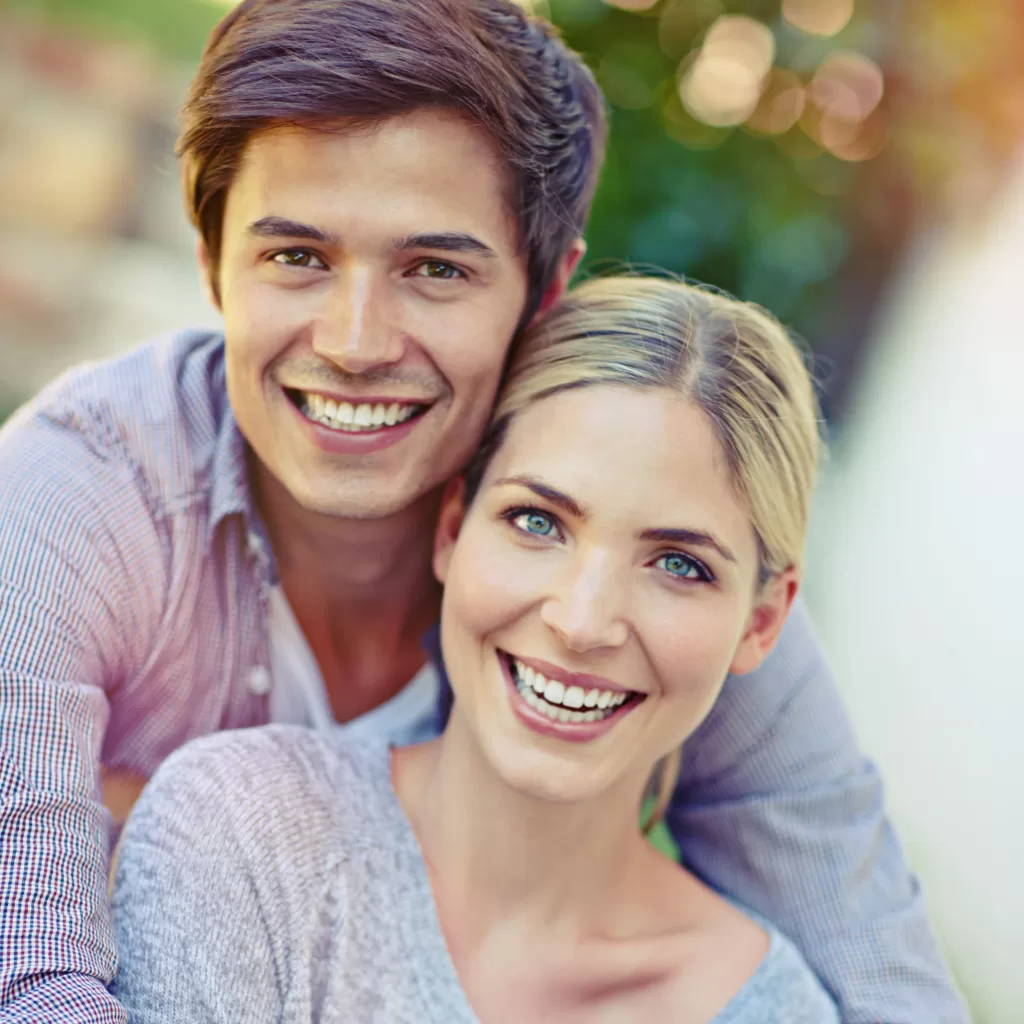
point(916, 579)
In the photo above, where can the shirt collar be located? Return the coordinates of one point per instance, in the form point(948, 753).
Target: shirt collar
point(230, 491)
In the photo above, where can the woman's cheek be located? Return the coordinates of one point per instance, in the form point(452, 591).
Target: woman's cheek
point(492, 582)
point(694, 646)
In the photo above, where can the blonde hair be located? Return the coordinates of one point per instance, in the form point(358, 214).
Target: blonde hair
point(731, 358)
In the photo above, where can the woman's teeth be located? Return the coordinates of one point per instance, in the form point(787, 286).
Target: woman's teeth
point(354, 418)
point(559, 702)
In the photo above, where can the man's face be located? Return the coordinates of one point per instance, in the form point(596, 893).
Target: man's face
point(370, 283)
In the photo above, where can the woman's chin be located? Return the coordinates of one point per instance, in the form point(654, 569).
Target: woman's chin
point(551, 776)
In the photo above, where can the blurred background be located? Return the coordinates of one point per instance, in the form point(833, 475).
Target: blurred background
point(854, 165)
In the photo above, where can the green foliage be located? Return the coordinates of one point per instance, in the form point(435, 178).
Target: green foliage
point(176, 28)
point(759, 217)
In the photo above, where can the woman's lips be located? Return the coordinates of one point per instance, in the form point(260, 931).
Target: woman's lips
point(580, 726)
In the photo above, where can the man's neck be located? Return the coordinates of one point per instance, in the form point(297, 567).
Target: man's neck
point(363, 591)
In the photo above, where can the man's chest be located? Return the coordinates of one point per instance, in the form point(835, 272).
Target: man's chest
point(207, 665)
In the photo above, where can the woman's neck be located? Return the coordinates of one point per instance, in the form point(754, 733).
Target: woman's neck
point(500, 860)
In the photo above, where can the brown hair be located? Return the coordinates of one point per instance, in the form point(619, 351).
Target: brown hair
point(325, 63)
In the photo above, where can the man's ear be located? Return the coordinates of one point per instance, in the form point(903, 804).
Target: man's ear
point(563, 275)
point(766, 621)
point(449, 523)
point(208, 274)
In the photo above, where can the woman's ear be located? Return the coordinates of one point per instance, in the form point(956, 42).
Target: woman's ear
point(449, 523)
point(767, 618)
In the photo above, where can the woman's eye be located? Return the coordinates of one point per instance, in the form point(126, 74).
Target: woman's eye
point(438, 270)
point(535, 523)
point(298, 258)
point(683, 567)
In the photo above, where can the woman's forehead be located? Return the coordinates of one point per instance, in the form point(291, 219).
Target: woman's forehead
point(635, 455)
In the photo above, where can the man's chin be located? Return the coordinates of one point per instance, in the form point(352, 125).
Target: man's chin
point(372, 497)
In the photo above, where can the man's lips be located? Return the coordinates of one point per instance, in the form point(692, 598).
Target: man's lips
point(341, 435)
point(355, 415)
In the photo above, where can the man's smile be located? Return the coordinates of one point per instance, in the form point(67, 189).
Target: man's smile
point(354, 416)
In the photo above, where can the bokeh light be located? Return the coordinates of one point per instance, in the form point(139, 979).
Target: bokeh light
point(782, 102)
point(848, 86)
point(722, 84)
point(818, 17)
point(844, 116)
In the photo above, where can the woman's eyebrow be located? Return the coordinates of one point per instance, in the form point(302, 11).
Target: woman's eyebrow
point(546, 491)
point(695, 537)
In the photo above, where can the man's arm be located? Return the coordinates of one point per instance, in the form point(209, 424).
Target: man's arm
point(72, 623)
point(777, 807)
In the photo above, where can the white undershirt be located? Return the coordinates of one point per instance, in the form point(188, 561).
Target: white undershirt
point(298, 695)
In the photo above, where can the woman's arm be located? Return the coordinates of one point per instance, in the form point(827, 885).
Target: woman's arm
point(777, 807)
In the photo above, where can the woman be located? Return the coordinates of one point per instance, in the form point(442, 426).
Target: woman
point(629, 533)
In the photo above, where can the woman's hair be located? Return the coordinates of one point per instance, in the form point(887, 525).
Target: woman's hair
point(731, 358)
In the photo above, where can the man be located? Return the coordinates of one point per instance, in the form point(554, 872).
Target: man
point(216, 532)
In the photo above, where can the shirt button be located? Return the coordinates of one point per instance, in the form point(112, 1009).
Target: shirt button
point(259, 681)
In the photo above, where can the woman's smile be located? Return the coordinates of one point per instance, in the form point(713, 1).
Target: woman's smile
point(612, 592)
point(568, 705)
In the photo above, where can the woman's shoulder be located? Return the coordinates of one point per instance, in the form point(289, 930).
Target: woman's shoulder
point(276, 779)
point(733, 960)
point(782, 988)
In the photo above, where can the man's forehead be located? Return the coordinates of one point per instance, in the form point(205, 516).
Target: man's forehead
point(425, 173)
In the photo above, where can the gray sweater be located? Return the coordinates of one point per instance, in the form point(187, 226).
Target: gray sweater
point(271, 875)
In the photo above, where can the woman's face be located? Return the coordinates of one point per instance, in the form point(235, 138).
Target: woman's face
point(602, 584)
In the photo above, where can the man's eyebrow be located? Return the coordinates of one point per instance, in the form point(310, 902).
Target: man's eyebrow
point(546, 491)
point(282, 227)
point(446, 241)
point(695, 537)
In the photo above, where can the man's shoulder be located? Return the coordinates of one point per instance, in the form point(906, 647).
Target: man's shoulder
point(160, 408)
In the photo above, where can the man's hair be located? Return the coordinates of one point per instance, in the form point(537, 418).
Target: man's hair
point(326, 63)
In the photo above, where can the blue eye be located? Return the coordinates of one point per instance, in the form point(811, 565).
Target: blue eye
point(534, 522)
point(683, 567)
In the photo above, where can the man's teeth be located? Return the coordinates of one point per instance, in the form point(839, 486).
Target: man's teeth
point(354, 418)
point(559, 702)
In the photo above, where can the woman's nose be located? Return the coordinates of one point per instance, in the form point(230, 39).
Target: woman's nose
point(588, 607)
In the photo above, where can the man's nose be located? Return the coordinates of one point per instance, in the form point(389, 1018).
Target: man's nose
point(356, 330)
point(587, 608)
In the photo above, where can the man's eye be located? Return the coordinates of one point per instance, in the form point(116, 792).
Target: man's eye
point(298, 258)
point(437, 270)
point(683, 567)
point(536, 523)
